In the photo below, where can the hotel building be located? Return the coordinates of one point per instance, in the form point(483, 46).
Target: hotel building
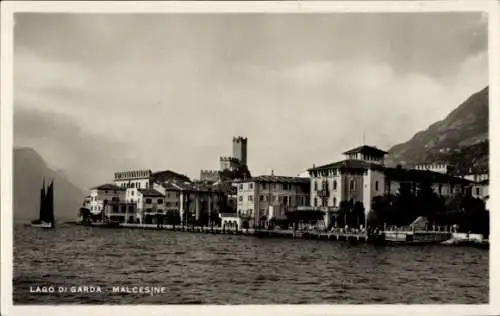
point(362, 176)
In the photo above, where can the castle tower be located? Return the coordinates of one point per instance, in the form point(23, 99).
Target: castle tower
point(240, 149)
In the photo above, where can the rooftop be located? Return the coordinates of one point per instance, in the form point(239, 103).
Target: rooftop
point(150, 192)
point(108, 187)
point(161, 176)
point(367, 150)
point(276, 179)
point(348, 164)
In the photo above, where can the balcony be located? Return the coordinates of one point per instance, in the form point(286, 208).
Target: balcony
point(323, 192)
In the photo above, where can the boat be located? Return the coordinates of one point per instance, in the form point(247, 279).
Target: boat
point(46, 214)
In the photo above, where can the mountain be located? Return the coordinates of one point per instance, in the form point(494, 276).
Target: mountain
point(461, 138)
point(29, 171)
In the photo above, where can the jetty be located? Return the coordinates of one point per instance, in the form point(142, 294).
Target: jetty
point(390, 235)
point(338, 235)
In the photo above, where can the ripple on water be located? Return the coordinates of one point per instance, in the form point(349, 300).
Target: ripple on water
point(218, 269)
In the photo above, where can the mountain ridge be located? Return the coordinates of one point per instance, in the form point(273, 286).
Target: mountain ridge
point(462, 132)
point(29, 171)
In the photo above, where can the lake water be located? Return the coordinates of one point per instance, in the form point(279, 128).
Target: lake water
point(229, 269)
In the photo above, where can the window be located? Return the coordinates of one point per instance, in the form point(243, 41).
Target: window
point(315, 186)
point(250, 186)
point(285, 200)
point(264, 186)
point(240, 198)
point(334, 202)
point(250, 197)
point(106, 192)
point(132, 193)
point(261, 198)
point(148, 201)
point(315, 202)
point(376, 186)
point(241, 187)
point(160, 201)
point(478, 191)
point(334, 185)
point(352, 185)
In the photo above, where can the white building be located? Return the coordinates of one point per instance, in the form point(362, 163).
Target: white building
point(362, 176)
point(102, 195)
point(149, 203)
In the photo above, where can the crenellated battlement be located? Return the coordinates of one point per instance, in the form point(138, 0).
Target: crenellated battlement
point(239, 139)
point(209, 173)
point(229, 159)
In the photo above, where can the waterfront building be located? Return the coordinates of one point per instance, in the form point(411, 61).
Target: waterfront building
point(363, 175)
point(266, 197)
point(189, 201)
point(104, 194)
point(121, 212)
point(149, 203)
point(133, 179)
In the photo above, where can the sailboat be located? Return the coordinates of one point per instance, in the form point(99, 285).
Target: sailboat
point(46, 217)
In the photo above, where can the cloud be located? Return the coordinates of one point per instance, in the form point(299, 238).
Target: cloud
point(170, 91)
point(85, 157)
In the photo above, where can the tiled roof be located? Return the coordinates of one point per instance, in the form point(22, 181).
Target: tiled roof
point(400, 174)
point(150, 192)
point(108, 187)
point(277, 179)
point(368, 150)
point(348, 164)
point(161, 176)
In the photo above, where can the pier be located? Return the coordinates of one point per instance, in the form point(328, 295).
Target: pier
point(257, 232)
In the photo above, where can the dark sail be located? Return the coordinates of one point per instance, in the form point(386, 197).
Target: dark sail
point(49, 209)
point(42, 202)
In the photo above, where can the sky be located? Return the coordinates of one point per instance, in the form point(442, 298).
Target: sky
point(99, 93)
